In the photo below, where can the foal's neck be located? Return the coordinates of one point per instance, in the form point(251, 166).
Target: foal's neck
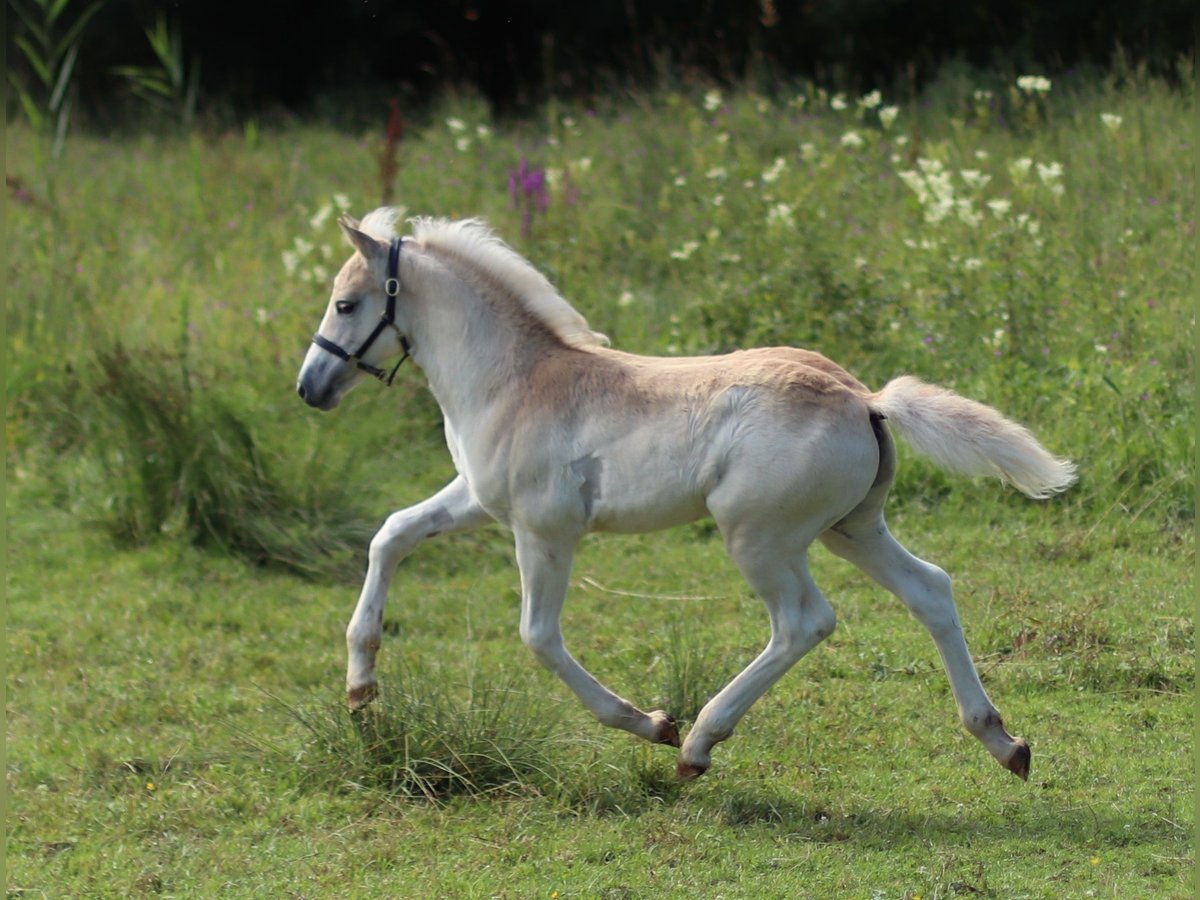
point(475, 350)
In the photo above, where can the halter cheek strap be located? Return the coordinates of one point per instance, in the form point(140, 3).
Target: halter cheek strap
point(391, 287)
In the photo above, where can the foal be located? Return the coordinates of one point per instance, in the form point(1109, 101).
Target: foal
point(555, 435)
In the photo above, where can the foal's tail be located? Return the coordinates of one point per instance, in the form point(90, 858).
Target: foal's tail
point(961, 435)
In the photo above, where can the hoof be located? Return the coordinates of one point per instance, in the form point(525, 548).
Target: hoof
point(1018, 763)
point(668, 731)
point(357, 698)
point(689, 771)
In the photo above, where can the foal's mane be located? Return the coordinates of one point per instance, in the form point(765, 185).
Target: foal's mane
point(471, 248)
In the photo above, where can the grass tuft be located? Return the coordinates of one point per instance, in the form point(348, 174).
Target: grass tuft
point(418, 741)
point(180, 460)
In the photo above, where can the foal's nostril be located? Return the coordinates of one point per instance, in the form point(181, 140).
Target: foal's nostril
point(300, 390)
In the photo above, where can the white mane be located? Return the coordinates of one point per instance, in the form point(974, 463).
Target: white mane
point(472, 244)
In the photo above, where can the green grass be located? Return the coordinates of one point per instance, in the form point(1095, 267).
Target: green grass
point(181, 529)
point(154, 738)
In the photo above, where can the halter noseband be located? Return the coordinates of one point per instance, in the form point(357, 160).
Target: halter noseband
point(391, 287)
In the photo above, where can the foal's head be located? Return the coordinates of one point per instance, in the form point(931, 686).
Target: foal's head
point(357, 334)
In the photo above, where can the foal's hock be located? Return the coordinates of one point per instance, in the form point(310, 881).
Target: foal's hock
point(555, 435)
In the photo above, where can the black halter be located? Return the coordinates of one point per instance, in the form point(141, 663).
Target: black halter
point(391, 287)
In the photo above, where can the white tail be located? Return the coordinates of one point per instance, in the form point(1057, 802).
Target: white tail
point(961, 435)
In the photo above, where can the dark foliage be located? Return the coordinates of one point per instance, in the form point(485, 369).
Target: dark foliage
point(287, 57)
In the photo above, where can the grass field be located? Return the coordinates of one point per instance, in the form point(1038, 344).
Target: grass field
point(184, 536)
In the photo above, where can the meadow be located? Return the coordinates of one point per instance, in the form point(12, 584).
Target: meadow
point(185, 537)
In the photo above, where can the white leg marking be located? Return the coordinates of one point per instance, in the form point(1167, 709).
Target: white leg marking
point(451, 509)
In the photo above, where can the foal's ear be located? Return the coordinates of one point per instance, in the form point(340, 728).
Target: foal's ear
point(368, 246)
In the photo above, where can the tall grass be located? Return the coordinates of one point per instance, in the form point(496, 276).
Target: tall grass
point(1025, 247)
point(179, 459)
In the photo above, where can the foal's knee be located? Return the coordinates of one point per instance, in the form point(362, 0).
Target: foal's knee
point(392, 542)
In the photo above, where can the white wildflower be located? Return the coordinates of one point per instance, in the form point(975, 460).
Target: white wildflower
point(915, 183)
point(838, 102)
point(626, 299)
point(852, 139)
point(568, 122)
point(291, 260)
point(463, 144)
point(302, 247)
point(981, 154)
point(679, 181)
point(723, 138)
point(938, 210)
point(581, 166)
point(798, 101)
point(808, 151)
point(772, 174)
point(781, 214)
point(718, 199)
point(1100, 348)
point(974, 178)
point(483, 131)
point(1034, 84)
point(972, 263)
point(929, 166)
point(716, 173)
point(999, 208)
point(1018, 169)
point(341, 201)
point(712, 101)
point(320, 217)
point(1049, 173)
point(1111, 122)
point(968, 213)
point(940, 186)
point(553, 177)
point(870, 100)
point(887, 115)
point(456, 124)
point(685, 252)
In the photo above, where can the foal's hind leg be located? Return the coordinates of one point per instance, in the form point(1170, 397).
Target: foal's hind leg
point(864, 540)
point(451, 509)
point(801, 618)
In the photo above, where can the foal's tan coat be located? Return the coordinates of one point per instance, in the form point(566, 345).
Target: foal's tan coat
point(554, 435)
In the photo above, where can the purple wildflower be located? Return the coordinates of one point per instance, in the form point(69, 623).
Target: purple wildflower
point(527, 189)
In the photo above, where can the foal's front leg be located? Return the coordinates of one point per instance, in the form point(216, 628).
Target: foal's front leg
point(453, 508)
point(545, 572)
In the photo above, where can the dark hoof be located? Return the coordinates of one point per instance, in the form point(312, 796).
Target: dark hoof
point(1018, 763)
point(359, 697)
point(668, 732)
point(689, 771)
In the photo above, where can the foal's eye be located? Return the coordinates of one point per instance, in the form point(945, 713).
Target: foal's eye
point(345, 307)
